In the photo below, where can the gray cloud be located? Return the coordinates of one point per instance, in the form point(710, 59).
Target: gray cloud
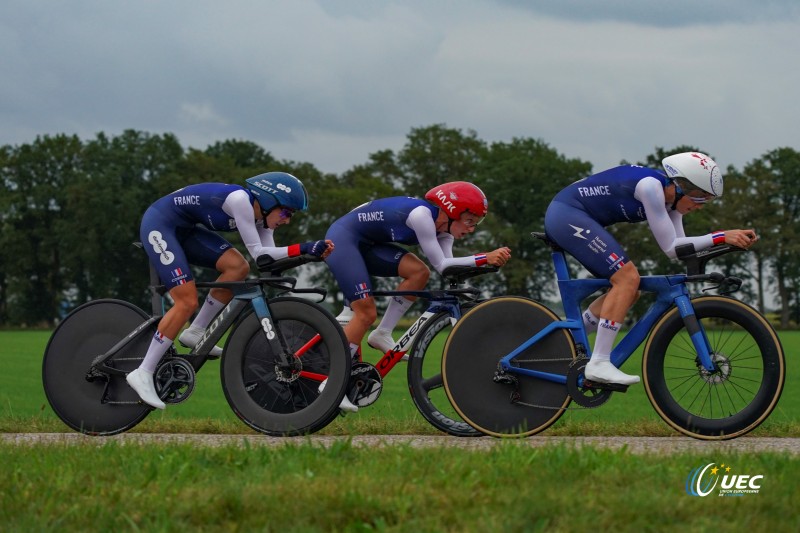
point(658, 13)
point(329, 82)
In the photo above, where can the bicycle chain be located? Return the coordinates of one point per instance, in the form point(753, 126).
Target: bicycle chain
point(552, 408)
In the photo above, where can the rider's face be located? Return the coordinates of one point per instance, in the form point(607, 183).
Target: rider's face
point(690, 203)
point(279, 216)
point(691, 200)
point(464, 225)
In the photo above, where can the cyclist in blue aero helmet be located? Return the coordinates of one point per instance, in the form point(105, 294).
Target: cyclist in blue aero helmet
point(578, 216)
point(179, 230)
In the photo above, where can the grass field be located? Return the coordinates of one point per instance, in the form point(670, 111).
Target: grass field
point(107, 486)
point(347, 488)
point(23, 406)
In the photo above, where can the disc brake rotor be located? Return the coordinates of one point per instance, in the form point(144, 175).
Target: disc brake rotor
point(722, 373)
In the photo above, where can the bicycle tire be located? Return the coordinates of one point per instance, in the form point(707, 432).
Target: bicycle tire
point(252, 385)
point(91, 330)
point(473, 350)
point(731, 402)
point(425, 377)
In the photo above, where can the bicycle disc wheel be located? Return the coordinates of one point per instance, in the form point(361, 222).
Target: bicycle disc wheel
point(425, 378)
point(473, 351)
point(726, 403)
point(91, 330)
point(280, 402)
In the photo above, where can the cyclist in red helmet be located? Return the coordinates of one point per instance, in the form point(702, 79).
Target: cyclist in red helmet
point(366, 245)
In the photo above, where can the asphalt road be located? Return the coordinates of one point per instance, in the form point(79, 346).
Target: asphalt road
point(660, 445)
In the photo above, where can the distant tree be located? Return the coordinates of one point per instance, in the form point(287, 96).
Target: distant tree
point(120, 180)
point(436, 154)
point(245, 155)
point(775, 188)
point(520, 178)
point(36, 177)
point(6, 232)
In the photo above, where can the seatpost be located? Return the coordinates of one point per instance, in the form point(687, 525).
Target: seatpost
point(560, 265)
point(156, 301)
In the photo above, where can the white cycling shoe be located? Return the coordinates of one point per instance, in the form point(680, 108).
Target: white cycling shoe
point(606, 372)
point(345, 316)
point(142, 382)
point(345, 405)
point(191, 336)
point(382, 341)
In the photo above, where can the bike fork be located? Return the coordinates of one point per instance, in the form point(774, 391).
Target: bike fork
point(696, 332)
point(277, 342)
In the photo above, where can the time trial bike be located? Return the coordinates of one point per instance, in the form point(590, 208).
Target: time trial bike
point(713, 367)
point(279, 351)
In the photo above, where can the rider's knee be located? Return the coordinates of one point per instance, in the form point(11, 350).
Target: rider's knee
point(364, 314)
point(186, 305)
point(627, 278)
point(239, 270)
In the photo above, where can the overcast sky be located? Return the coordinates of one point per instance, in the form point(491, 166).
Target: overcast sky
point(330, 82)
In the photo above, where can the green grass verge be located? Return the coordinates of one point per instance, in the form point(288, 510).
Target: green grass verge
point(303, 487)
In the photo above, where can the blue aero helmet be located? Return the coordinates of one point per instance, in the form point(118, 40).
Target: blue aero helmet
point(274, 189)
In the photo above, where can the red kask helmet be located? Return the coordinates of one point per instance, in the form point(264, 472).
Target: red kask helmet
point(458, 197)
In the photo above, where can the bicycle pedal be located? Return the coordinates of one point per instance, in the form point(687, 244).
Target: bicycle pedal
point(615, 387)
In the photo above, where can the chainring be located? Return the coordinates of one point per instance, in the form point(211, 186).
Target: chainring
point(365, 384)
point(589, 397)
point(174, 379)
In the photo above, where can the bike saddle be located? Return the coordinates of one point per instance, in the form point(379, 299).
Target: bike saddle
point(542, 236)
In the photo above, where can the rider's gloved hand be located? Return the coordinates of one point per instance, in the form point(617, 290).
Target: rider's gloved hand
point(316, 248)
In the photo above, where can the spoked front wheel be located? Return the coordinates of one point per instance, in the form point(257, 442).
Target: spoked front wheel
point(279, 400)
point(506, 404)
point(101, 404)
point(425, 378)
point(736, 397)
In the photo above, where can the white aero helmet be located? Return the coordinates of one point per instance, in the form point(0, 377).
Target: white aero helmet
point(696, 168)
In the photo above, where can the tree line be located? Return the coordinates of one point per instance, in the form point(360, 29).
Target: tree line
point(70, 210)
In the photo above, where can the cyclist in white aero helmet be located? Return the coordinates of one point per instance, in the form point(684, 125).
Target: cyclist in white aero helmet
point(578, 216)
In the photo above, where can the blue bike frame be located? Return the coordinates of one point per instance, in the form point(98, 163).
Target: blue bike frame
point(669, 290)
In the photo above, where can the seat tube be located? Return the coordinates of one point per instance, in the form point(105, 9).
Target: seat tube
point(696, 332)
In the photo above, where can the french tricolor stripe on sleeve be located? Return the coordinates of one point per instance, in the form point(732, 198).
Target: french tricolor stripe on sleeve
point(718, 237)
point(480, 259)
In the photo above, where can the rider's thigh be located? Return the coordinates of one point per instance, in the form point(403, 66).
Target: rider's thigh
point(414, 270)
point(233, 265)
point(204, 247)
